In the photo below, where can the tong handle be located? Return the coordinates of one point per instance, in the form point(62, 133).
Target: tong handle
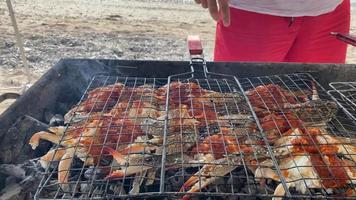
point(195, 45)
point(349, 39)
point(197, 61)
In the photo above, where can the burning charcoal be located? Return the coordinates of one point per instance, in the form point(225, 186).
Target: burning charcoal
point(218, 186)
point(105, 161)
point(250, 186)
point(241, 182)
point(77, 163)
point(88, 191)
point(209, 130)
point(56, 120)
point(94, 173)
point(117, 189)
point(177, 179)
point(85, 187)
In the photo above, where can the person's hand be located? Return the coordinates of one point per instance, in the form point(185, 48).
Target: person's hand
point(217, 9)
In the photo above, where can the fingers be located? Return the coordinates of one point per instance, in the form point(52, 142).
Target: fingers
point(213, 9)
point(224, 11)
point(218, 9)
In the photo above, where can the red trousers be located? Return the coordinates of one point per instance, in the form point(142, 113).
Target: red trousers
point(265, 38)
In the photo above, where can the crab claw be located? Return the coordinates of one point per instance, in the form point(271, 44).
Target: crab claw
point(116, 174)
point(197, 183)
point(137, 148)
point(35, 139)
point(208, 174)
point(115, 154)
point(128, 171)
point(52, 155)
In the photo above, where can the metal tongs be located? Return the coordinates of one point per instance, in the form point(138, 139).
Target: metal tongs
point(349, 39)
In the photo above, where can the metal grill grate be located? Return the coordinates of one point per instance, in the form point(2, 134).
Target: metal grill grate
point(181, 137)
point(312, 141)
point(345, 94)
point(106, 117)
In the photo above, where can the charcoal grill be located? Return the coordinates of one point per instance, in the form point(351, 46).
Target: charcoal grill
point(63, 86)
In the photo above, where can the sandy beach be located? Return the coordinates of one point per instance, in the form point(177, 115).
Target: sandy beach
point(117, 29)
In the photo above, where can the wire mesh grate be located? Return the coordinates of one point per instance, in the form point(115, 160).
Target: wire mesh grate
point(345, 94)
point(312, 140)
point(180, 137)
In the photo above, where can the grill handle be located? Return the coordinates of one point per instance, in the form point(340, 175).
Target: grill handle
point(197, 61)
point(349, 39)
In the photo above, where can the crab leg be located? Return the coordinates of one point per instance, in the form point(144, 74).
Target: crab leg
point(137, 148)
point(64, 166)
point(135, 163)
point(35, 139)
point(58, 130)
point(52, 155)
point(208, 174)
point(44, 135)
point(128, 171)
point(120, 158)
point(151, 175)
point(139, 178)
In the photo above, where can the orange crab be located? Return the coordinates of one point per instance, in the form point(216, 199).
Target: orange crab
point(85, 142)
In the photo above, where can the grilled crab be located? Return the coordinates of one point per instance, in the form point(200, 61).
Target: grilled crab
point(179, 140)
point(311, 158)
point(153, 146)
point(223, 152)
point(98, 100)
point(85, 142)
point(105, 100)
point(270, 99)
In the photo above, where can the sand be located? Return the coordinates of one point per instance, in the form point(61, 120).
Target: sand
point(119, 29)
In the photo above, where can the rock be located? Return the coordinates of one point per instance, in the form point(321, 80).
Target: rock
point(13, 170)
point(14, 148)
point(34, 58)
point(118, 52)
point(9, 44)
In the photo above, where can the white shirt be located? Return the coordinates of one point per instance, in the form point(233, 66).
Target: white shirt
point(287, 8)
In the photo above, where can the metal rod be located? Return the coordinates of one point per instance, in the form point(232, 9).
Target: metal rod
point(19, 41)
point(165, 134)
point(264, 137)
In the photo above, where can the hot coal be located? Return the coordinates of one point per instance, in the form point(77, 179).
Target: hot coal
point(116, 189)
point(177, 178)
point(93, 173)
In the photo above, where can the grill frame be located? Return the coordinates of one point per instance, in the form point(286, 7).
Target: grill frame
point(162, 190)
point(57, 91)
